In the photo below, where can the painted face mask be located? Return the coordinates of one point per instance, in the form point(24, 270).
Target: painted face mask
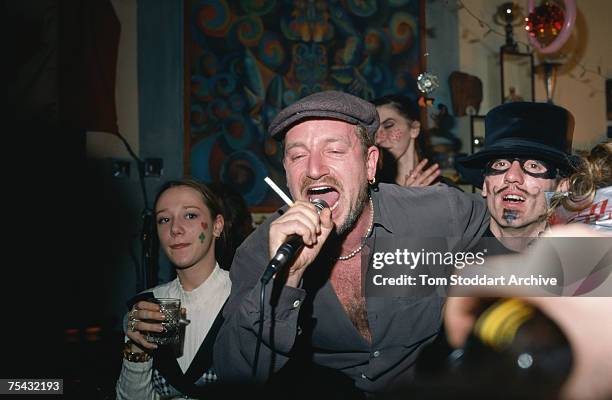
point(535, 168)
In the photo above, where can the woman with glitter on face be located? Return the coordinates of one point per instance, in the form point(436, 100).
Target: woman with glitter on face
point(402, 144)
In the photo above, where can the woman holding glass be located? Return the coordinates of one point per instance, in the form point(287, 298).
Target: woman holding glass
point(190, 225)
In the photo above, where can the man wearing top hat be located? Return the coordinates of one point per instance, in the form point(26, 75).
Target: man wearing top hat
point(526, 154)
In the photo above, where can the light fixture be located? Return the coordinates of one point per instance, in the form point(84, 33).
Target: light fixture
point(509, 15)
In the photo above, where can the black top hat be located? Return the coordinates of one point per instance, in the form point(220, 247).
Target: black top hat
point(541, 131)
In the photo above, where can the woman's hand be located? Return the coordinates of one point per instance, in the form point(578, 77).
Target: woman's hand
point(418, 177)
point(142, 319)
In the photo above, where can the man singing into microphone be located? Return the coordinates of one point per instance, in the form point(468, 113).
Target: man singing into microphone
point(315, 310)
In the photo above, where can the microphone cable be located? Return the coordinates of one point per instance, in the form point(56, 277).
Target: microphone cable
point(284, 254)
point(262, 295)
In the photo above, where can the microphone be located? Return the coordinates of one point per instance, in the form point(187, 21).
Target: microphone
point(288, 250)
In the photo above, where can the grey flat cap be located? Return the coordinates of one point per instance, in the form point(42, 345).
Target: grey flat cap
point(327, 104)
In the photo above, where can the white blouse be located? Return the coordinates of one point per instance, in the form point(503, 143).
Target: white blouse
point(202, 304)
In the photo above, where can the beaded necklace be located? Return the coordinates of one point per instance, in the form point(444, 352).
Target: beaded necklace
point(363, 242)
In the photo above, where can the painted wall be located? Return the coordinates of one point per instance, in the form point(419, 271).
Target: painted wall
point(114, 232)
point(440, 45)
point(100, 144)
point(160, 95)
point(583, 95)
point(149, 95)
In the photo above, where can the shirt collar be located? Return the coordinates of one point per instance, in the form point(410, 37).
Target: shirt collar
point(209, 284)
point(380, 218)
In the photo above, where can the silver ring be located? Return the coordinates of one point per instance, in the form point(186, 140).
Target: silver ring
point(132, 325)
point(131, 314)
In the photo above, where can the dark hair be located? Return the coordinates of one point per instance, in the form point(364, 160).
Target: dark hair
point(211, 201)
point(238, 220)
point(403, 104)
point(408, 109)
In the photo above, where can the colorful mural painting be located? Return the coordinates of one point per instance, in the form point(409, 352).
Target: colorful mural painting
point(247, 59)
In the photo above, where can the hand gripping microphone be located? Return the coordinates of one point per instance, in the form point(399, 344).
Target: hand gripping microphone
point(288, 250)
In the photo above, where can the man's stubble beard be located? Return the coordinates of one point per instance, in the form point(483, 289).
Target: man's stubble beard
point(354, 213)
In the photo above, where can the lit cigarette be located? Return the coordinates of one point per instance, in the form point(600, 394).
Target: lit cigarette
point(279, 191)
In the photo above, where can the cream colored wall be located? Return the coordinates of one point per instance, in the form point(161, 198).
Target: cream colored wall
point(102, 145)
point(589, 45)
point(478, 55)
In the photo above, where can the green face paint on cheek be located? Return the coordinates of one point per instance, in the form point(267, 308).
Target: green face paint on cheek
point(204, 226)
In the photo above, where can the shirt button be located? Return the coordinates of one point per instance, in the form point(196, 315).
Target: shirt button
point(363, 376)
point(376, 353)
point(296, 304)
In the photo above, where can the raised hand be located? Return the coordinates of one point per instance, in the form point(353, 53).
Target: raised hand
point(418, 177)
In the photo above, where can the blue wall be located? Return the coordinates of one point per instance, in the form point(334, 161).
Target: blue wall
point(160, 91)
point(443, 48)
